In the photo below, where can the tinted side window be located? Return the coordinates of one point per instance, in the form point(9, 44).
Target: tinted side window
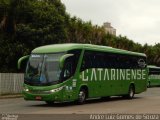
point(92, 59)
point(75, 58)
point(70, 64)
point(68, 70)
point(154, 71)
point(88, 60)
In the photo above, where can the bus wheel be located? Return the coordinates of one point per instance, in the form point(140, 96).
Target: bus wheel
point(50, 102)
point(82, 96)
point(131, 92)
point(149, 85)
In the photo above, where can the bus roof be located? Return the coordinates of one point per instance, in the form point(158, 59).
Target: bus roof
point(71, 46)
point(153, 66)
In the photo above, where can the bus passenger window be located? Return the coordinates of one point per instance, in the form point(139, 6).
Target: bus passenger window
point(68, 69)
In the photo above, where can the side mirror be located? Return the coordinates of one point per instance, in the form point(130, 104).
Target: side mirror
point(63, 58)
point(19, 65)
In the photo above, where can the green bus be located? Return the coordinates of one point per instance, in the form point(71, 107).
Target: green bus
point(76, 72)
point(153, 76)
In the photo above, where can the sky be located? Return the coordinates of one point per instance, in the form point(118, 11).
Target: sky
point(139, 20)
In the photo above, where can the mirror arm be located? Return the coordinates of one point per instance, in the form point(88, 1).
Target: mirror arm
point(62, 59)
point(20, 60)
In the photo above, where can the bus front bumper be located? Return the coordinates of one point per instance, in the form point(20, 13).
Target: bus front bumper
point(57, 96)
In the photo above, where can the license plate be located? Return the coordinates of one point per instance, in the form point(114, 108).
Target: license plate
point(38, 97)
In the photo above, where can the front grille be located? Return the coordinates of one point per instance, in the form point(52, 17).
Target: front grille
point(39, 92)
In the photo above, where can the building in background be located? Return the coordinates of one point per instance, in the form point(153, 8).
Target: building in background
point(109, 29)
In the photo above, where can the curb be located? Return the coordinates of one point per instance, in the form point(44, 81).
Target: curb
point(10, 96)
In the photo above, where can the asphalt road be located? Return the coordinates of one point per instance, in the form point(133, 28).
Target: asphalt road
point(146, 102)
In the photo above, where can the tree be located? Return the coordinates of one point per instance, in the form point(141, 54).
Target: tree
point(28, 25)
point(9, 16)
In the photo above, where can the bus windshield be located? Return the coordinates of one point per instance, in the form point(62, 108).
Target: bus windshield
point(43, 69)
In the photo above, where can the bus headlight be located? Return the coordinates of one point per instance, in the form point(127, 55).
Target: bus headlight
point(56, 90)
point(26, 89)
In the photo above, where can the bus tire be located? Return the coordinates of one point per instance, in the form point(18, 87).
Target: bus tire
point(49, 102)
point(82, 96)
point(148, 84)
point(131, 92)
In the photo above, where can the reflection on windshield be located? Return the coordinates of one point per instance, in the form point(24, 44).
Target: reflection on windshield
point(34, 67)
point(50, 69)
point(43, 69)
